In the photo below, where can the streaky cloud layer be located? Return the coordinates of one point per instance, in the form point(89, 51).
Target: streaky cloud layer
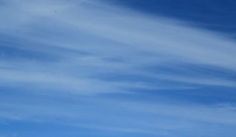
point(96, 67)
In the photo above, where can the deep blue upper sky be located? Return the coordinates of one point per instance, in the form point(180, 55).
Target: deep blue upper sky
point(217, 15)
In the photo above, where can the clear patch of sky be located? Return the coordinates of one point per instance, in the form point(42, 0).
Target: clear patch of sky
point(219, 15)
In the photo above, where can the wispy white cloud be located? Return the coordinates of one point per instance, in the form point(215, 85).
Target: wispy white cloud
point(109, 32)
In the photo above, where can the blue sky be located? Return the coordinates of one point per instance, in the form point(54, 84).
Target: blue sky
point(109, 68)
